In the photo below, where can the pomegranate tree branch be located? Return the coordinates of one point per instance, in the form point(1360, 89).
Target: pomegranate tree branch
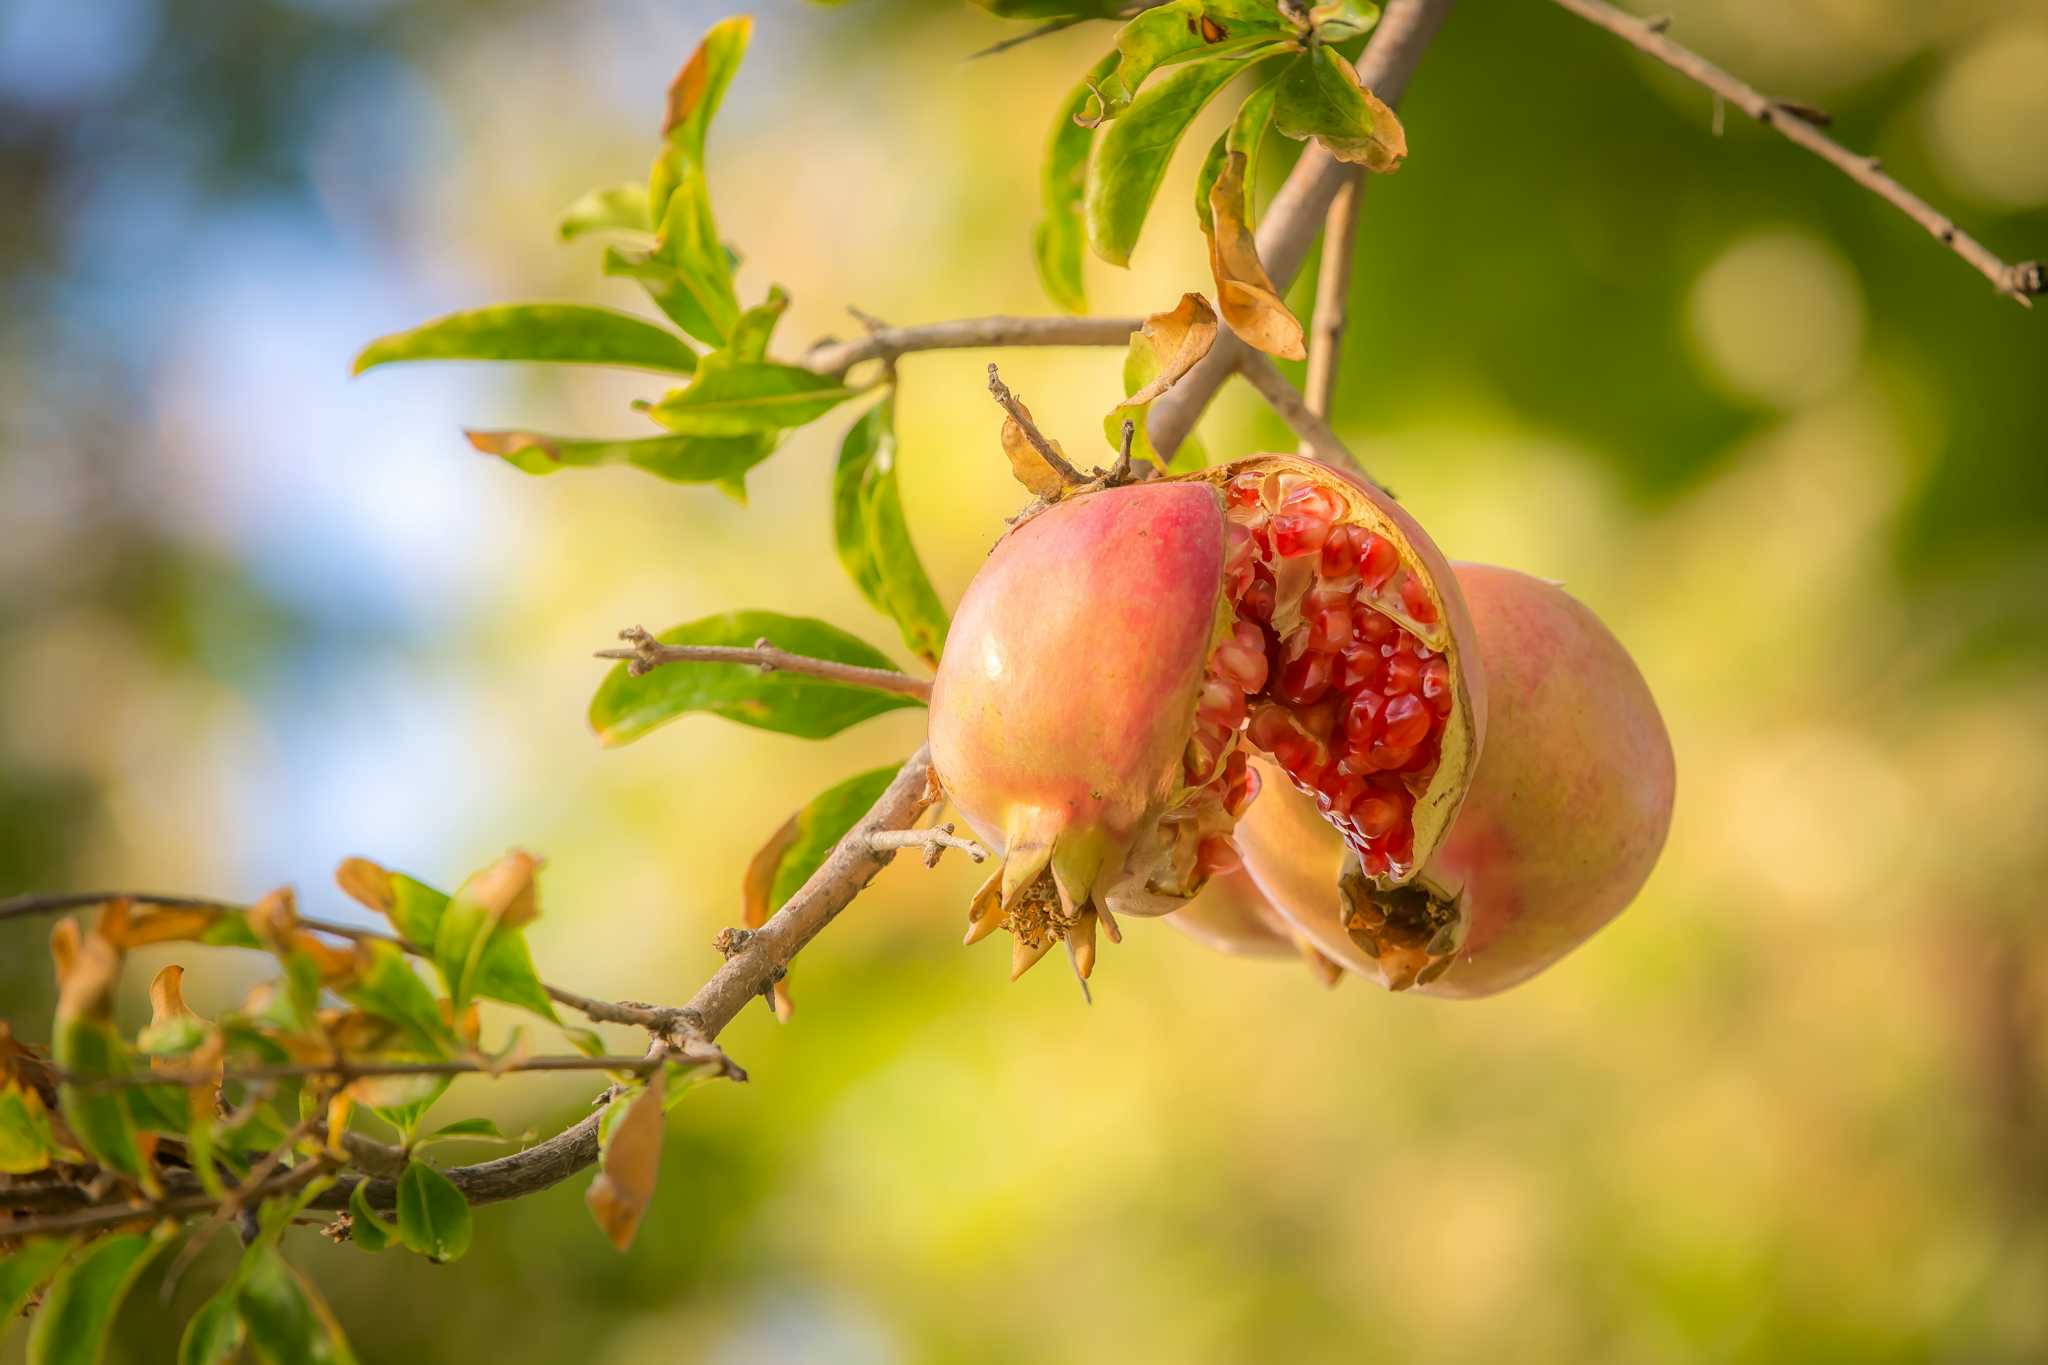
point(1333, 294)
point(748, 972)
point(1283, 398)
point(1798, 124)
point(932, 842)
point(966, 334)
point(1008, 402)
point(647, 653)
point(1298, 209)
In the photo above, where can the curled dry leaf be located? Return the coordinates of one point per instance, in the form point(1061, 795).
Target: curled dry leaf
point(1032, 469)
point(1244, 292)
point(1179, 339)
point(621, 1192)
point(275, 920)
point(365, 883)
point(87, 968)
point(757, 891)
point(505, 890)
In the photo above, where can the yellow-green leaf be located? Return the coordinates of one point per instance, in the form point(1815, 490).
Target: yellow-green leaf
point(549, 333)
point(616, 208)
point(626, 707)
point(433, 1217)
point(1320, 97)
point(1131, 156)
point(732, 396)
point(23, 1269)
point(289, 1323)
point(71, 1327)
point(1058, 240)
point(721, 460)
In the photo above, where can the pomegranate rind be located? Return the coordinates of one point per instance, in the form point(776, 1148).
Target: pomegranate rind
point(1062, 705)
point(1451, 634)
point(1563, 823)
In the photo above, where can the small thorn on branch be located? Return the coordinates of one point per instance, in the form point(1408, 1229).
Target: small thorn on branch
point(934, 842)
point(1819, 118)
point(1009, 404)
point(1657, 23)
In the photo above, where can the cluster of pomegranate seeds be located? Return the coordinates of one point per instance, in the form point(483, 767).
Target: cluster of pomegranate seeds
point(1320, 673)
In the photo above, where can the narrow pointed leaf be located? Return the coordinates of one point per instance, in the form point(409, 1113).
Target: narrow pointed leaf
point(215, 1333)
point(1061, 233)
point(626, 707)
point(732, 396)
point(78, 1311)
point(821, 824)
point(1131, 157)
point(288, 1322)
point(751, 334)
point(23, 1270)
point(907, 592)
point(1246, 134)
point(1193, 30)
point(617, 208)
point(557, 333)
point(721, 460)
point(619, 1196)
point(1337, 21)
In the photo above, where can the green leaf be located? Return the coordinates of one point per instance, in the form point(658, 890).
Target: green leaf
point(1193, 30)
point(822, 824)
point(71, 1327)
point(1337, 21)
point(24, 1268)
point(873, 538)
point(558, 333)
point(1060, 234)
point(723, 460)
point(27, 1142)
point(368, 1229)
point(493, 900)
point(1247, 134)
point(688, 273)
point(618, 208)
point(390, 989)
point(1130, 160)
point(467, 1128)
point(699, 88)
point(288, 1322)
point(587, 1041)
point(433, 1217)
point(88, 1048)
point(416, 908)
point(1320, 97)
point(215, 1332)
point(626, 707)
point(506, 972)
point(732, 396)
point(751, 333)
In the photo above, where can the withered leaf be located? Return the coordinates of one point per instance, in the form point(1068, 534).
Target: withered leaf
point(1032, 469)
point(1179, 339)
point(1244, 292)
point(623, 1188)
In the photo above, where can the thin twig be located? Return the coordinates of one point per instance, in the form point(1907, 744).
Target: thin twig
point(1282, 397)
point(1795, 123)
point(193, 1201)
point(344, 1070)
point(1121, 474)
point(1044, 30)
point(1009, 403)
point(1297, 211)
point(933, 841)
point(967, 334)
point(645, 653)
point(1333, 296)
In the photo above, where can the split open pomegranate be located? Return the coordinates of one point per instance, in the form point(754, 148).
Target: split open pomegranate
point(1122, 654)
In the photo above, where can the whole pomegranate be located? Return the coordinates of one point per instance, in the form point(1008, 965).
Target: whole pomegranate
point(1123, 653)
point(1561, 825)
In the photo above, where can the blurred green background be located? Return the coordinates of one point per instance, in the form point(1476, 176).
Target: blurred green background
point(255, 617)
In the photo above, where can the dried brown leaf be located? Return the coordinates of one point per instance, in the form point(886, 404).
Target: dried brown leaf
point(632, 1159)
point(1180, 339)
point(365, 883)
point(1244, 292)
point(1032, 469)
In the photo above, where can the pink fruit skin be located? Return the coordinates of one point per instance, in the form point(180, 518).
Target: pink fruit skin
point(1232, 916)
point(1565, 817)
point(1070, 674)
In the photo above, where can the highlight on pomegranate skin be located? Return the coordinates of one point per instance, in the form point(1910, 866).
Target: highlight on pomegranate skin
point(1564, 819)
point(1124, 653)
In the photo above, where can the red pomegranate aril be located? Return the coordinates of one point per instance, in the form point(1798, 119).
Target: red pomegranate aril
point(1380, 811)
point(1299, 533)
point(1436, 679)
point(1222, 703)
point(1244, 490)
point(1340, 553)
point(1304, 680)
point(1377, 560)
point(1329, 623)
point(1242, 658)
point(1361, 722)
point(1301, 496)
point(1344, 791)
point(1373, 627)
point(1403, 675)
point(1259, 599)
point(1389, 758)
point(1415, 598)
point(1406, 720)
